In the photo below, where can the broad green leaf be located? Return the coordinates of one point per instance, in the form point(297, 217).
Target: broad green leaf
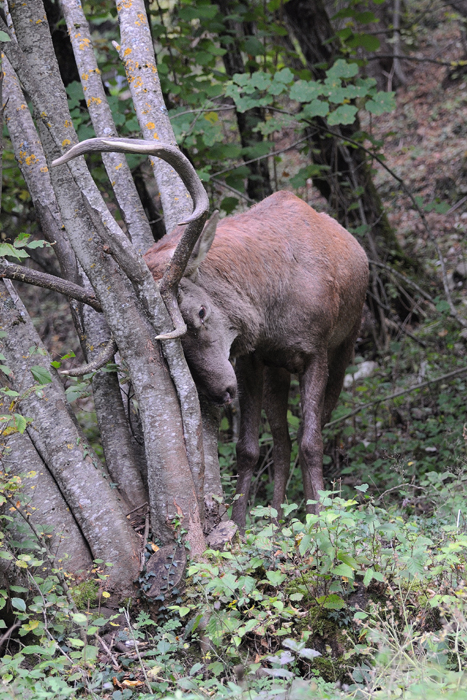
point(5, 555)
point(366, 17)
point(342, 69)
point(275, 577)
point(19, 604)
point(316, 108)
point(284, 76)
point(331, 602)
point(20, 423)
point(41, 374)
point(347, 559)
point(381, 102)
point(343, 570)
point(41, 650)
point(8, 249)
point(345, 114)
point(305, 91)
point(254, 47)
point(6, 370)
point(183, 611)
point(80, 619)
point(366, 41)
point(4, 37)
point(260, 80)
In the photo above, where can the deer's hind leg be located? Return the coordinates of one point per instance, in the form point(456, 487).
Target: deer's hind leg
point(276, 399)
point(310, 440)
point(338, 360)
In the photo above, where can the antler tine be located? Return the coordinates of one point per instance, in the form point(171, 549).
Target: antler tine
point(171, 154)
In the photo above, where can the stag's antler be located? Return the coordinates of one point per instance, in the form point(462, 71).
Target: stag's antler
point(171, 154)
point(195, 222)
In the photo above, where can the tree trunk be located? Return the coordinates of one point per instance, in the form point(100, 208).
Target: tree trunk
point(259, 183)
point(347, 180)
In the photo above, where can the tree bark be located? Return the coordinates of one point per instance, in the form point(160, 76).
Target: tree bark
point(84, 483)
point(347, 179)
point(259, 182)
point(89, 224)
point(91, 328)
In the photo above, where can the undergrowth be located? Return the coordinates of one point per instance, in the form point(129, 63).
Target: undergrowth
point(356, 602)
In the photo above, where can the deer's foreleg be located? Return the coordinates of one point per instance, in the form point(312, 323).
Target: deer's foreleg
point(249, 371)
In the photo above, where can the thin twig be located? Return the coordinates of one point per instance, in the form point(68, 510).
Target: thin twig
point(10, 631)
point(137, 508)
point(457, 205)
point(128, 621)
point(399, 486)
point(404, 278)
point(448, 64)
point(268, 155)
point(145, 539)
point(362, 407)
point(109, 653)
point(219, 183)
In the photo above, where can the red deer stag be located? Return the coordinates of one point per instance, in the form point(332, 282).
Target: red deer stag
point(281, 289)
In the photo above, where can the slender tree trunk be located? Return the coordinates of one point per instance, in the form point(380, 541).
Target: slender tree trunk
point(259, 183)
point(347, 181)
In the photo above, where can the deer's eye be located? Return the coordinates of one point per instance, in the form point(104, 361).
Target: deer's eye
point(202, 312)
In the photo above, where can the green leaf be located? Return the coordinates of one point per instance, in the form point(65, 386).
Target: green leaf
point(6, 370)
point(183, 611)
point(38, 244)
point(35, 649)
point(80, 619)
point(347, 559)
point(305, 91)
point(331, 602)
point(8, 249)
point(41, 374)
point(260, 80)
point(316, 108)
point(4, 37)
point(363, 488)
point(254, 47)
point(20, 423)
point(366, 17)
point(5, 555)
point(366, 41)
point(275, 577)
point(75, 642)
point(342, 69)
point(19, 604)
point(284, 76)
point(296, 596)
point(345, 114)
point(343, 570)
point(381, 102)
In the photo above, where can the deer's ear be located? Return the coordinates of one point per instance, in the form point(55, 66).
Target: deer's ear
point(202, 246)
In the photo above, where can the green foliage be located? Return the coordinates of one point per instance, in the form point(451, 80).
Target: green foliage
point(386, 592)
point(17, 249)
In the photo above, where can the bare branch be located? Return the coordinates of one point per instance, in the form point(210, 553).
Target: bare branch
point(42, 279)
point(364, 406)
